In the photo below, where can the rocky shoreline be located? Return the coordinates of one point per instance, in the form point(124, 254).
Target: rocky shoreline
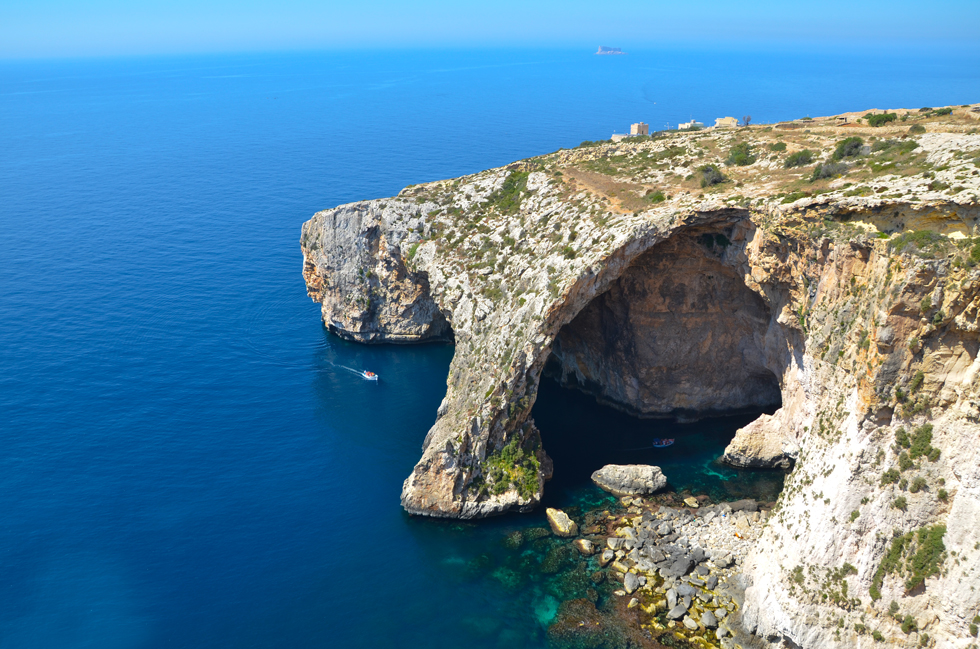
point(678, 568)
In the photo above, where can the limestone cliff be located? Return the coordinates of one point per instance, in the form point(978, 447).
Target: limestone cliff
point(664, 282)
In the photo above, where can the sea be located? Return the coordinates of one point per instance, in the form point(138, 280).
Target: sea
point(186, 457)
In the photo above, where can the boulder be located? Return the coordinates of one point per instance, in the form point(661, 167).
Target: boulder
point(690, 624)
point(762, 445)
point(560, 523)
point(746, 505)
point(685, 590)
point(712, 582)
point(631, 582)
point(606, 558)
point(709, 620)
point(671, 598)
point(614, 542)
point(629, 479)
point(584, 546)
point(664, 529)
point(691, 502)
point(677, 612)
point(680, 567)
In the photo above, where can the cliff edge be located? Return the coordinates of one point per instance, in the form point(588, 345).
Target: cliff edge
point(830, 271)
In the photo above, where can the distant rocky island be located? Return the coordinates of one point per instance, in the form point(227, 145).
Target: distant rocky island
point(609, 50)
point(825, 267)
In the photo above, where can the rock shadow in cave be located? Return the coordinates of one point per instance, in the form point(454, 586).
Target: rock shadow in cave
point(678, 334)
point(582, 435)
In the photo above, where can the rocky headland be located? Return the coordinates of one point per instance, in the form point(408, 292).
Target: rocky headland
point(829, 271)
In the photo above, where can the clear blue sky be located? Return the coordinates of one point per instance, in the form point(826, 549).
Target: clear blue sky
point(56, 28)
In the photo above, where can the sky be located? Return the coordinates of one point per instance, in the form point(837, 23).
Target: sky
point(69, 28)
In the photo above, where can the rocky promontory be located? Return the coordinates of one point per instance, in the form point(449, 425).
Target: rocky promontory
point(826, 272)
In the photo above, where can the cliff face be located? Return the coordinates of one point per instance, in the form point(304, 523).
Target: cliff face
point(854, 306)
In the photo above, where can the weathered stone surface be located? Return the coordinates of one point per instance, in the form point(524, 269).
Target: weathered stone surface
point(680, 567)
point(629, 479)
point(762, 444)
point(803, 304)
point(691, 502)
point(606, 558)
point(584, 546)
point(560, 523)
point(631, 582)
point(677, 612)
point(709, 620)
point(690, 623)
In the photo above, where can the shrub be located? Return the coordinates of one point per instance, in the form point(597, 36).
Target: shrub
point(777, 146)
point(568, 252)
point(938, 318)
point(909, 625)
point(798, 159)
point(828, 170)
point(891, 476)
point(900, 503)
point(934, 454)
point(848, 148)
point(974, 630)
point(876, 634)
point(917, 128)
point(711, 176)
point(918, 485)
point(880, 120)
point(923, 242)
point(854, 515)
point(656, 197)
point(921, 441)
point(902, 438)
point(917, 383)
point(508, 197)
point(740, 155)
point(943, 495)
point(904, 461)
point(942, 111)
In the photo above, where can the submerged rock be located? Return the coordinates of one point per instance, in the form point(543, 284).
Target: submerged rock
point(629, 479)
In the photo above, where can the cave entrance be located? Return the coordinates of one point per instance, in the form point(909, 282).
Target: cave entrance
point(677, 338)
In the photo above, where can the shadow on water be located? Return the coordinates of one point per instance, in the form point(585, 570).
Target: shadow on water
point(582, 435)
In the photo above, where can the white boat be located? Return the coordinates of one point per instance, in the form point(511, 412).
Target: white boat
point(370, 376)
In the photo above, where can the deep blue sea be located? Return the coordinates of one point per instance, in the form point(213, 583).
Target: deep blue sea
point(182, 463)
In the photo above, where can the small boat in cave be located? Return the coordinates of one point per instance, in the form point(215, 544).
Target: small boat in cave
point(662, 443)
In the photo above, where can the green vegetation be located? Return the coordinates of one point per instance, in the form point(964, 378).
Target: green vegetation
point(904, 461)
point(507, 199)
point(918, 485)
point(848, 148)
point(828, 170)
point(916, 129)
point(879, 120)
point(513, 465)
point(902, 438)
point(711, 176)
point(798, 159)
point(925, 243)
point(909, 625)
point(740, 155)
point(891, 476)
point(900, 503)
point(943, 495)
point(916, 555)
point(876, 634)
point(656, 197)
point(854, 515)
point(777, 146)
point(921, 441)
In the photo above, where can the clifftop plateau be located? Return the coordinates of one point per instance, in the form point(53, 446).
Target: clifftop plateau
point(829, 270)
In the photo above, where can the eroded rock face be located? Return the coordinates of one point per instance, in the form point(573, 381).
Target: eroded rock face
point(865, 337)
point(630, 479)
point(678, 332)
point(353, 264)
point(762, 445)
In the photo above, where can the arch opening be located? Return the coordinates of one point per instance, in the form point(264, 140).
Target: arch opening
point(680, 338)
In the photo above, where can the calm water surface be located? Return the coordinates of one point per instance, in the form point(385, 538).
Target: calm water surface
point(183, 461)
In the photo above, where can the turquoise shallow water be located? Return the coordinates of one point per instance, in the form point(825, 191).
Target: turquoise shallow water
point(182, 462)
